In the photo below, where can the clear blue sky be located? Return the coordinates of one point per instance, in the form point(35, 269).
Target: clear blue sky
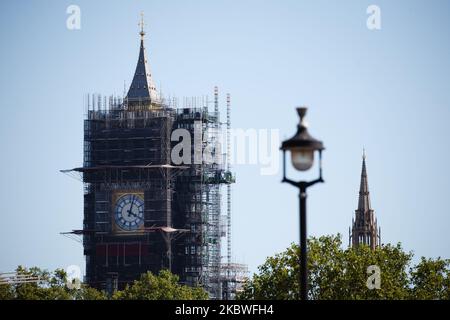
point(387, 90)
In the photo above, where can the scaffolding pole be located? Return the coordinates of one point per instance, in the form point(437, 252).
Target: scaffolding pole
point(228, 193)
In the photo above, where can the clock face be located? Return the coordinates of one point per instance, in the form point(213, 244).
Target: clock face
point(129, 212)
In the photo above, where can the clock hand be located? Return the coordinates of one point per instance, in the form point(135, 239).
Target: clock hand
point(132, 214)
point(132, 202)
point(130, 211)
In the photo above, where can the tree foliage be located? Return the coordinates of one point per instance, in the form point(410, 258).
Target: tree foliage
point(336, 273)
point(431, 279)
point(53, 286)
point(164, 286)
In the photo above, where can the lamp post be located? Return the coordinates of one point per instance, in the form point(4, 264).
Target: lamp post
point(302, 147)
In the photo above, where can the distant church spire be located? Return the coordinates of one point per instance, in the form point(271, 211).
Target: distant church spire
point(142, 89)
point(364, 197)
point(364, 227)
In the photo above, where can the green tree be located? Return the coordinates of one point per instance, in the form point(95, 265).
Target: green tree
point(163, 286)
point(431, 279)
point(6, 292)
point(336, 273)
point(51, 286)
point(87, 293)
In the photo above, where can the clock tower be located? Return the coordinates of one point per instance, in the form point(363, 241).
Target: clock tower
point(128, 177)
point(141, 211)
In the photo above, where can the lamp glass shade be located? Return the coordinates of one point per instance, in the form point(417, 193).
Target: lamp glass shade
point(302, 159)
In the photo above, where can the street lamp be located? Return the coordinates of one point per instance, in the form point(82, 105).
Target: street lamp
point(302, 147)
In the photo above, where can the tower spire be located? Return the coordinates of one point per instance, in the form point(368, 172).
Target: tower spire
point(364, 227)
point(364, 197)
point(142, 89)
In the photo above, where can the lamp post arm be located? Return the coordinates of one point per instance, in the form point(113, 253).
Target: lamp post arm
point(302, 184)
point(291, 182)
point(310, 183)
